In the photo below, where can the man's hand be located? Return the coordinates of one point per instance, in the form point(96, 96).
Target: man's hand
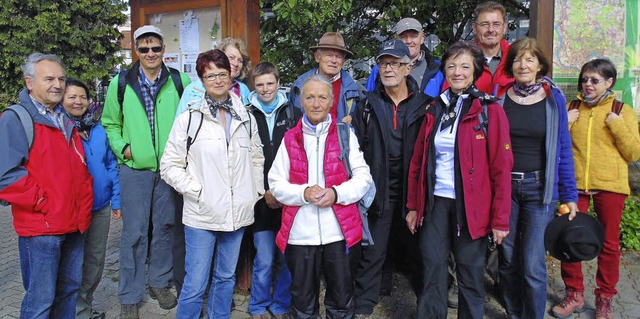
point(127, 153)
point(346, 119)
point(271, 201)
point(116, 213)
point(412, 221)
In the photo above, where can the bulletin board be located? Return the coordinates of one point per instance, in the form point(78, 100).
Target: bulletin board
point(186, 34)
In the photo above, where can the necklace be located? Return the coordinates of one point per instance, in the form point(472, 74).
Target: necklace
point(522, 91)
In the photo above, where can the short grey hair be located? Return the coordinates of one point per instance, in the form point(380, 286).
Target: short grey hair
point(318, 78)
point(29, 66)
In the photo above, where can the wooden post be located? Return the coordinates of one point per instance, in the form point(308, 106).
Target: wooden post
point(541, 14)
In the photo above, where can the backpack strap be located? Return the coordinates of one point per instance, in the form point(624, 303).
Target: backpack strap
point(122, 85)
point(289, 112)
point(343, 141)
point(574, 104)
point(177, 81)
point(483, 118)
point(616, 106)
point(25, 119)
point(366, 117)
point(193, 128)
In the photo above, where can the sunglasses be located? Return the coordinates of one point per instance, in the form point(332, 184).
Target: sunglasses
point(145, 50)
point(594, 81)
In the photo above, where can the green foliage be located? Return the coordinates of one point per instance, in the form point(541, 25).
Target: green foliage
point(81, 32)
point(630, 224)
point(285, 36)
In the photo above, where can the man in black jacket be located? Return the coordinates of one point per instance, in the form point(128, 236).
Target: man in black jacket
point(387, 123)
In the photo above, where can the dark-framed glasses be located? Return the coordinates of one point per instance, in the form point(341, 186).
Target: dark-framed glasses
point(213, 76)
point(393, 65)
point(145, 50)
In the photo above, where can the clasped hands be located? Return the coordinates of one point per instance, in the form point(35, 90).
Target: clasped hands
point(319, 196)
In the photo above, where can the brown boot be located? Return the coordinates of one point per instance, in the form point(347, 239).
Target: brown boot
point(573, 302)
point(604, 307)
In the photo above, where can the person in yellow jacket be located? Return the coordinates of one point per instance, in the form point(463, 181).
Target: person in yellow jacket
point(604, 140)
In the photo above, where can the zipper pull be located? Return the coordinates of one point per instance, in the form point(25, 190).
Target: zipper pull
point(458, 230)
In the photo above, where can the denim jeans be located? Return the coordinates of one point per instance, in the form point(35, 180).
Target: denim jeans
point(523, 271)
point(95, 247)
point(145, 196)
point(200, 246)
point(269, 266)
point(51, 273)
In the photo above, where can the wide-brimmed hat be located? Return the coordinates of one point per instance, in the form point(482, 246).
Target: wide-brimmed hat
point(332, 40)
point(580, 239)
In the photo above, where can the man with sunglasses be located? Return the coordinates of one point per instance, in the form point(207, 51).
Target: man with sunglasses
point(138, 129)
point(386, 123)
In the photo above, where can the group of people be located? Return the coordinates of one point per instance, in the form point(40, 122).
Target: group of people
point(472, 151)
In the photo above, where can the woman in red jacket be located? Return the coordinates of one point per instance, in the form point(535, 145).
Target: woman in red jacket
point(459, 185)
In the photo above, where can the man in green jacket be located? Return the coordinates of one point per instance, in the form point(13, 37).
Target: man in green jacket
point(138, 120)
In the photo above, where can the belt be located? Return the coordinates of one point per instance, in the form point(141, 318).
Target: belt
point(518, 176)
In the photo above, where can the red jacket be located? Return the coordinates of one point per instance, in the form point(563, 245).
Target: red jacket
point(54, 169)
point(335, 174)
point(487, 82)
point(485, 168)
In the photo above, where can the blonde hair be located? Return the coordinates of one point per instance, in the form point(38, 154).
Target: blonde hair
point(242, 48)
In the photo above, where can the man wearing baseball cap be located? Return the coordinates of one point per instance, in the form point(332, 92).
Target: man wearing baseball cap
point(138, 115)
point(425, 69)
point(387, 123)
point(330, 53)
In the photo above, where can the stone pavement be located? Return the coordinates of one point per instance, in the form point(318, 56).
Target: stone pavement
point(401, 303)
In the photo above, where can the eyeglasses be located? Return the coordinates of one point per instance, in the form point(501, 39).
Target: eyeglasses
point(486, 25)
point(145, 50)
point(213, 76)
point(594, 81)
point(393, 65)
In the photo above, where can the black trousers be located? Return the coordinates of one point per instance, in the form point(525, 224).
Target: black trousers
point(306, 264)
point(438, 237)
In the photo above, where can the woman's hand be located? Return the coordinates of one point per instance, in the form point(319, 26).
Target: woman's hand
point(499, 235)
point(573, 115)
point(412, 221)
point(271, 201)
point(573, 209)
point(612, 116)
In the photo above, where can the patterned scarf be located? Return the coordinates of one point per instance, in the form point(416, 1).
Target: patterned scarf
point(524, 90)
point(596, 100)
point(90, 118)
point(226, 105)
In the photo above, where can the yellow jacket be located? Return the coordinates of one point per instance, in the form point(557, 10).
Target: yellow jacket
point(601, 150)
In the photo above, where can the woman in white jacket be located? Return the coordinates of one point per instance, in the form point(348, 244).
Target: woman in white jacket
point(214, 159)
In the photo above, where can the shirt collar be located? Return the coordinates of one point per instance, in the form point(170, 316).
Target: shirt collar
point(43, 110)
point(148, 82)
point(334, 78)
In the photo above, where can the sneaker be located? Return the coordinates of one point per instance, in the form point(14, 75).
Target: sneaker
point(165, 298)
point(129, 311)
point(97, 315)
point(604, 308)
point(452, 297)
point(573, 302)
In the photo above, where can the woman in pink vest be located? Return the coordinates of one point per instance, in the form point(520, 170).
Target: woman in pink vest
point(320, 218)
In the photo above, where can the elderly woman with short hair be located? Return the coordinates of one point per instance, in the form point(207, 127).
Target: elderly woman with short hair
point(320, 218)
point(218, 170)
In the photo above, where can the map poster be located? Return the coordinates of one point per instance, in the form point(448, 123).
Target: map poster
point(587, 29)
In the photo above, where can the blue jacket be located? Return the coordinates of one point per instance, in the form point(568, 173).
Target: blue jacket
point(350, 93)
point(432, 79)
point(103, 167)
point(560, 180)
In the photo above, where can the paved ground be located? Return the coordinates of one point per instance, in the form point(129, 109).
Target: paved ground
point(401, 304)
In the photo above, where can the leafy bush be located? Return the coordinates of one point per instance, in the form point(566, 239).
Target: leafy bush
point(630, 225)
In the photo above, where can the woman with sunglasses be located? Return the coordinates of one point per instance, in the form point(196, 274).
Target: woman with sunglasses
point(236, 52)
point(542, 174)
point(459, 185)
point(219, 174)
point(603, 142)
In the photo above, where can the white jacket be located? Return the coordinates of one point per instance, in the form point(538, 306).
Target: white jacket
point(313, 225)
point(221, 182)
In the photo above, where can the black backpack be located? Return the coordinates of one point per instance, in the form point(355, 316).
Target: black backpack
point(122, 83)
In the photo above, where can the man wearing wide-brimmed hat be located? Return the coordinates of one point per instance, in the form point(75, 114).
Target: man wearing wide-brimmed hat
point(330, 53)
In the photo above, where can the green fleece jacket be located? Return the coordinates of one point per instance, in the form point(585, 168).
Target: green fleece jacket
point(128, 125)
